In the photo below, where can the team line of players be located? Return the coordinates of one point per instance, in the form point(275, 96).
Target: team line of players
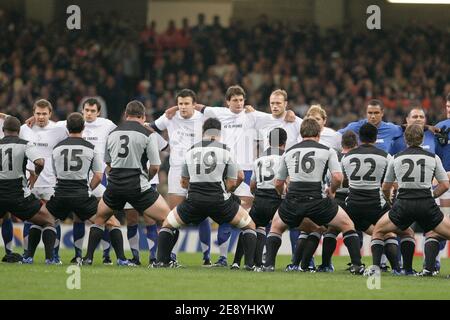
point(237, 127)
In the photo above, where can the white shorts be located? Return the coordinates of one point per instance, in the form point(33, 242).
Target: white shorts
point(43, 193)
point(446, 195)
point(98, 192)
point(174, 178)
point(244, 188)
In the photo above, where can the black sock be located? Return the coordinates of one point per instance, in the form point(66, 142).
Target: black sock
point(407, 247)
point(299, 247)
point(377, 246)
point(239, 250)
point(431, 251)
point(49, 238)
point(328, 247)
point(351, 241)
point(249, 244)
point(272, 245)
point(260, 243)
point(34, 238)
point(361, 238)
point(117, 243)
point(95, 235)
point(311, 244)
point(165, 244)
point(391, 251)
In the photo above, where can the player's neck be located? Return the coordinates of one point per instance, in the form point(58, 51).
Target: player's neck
point(316, 139)
point(211, 138)
point(75, 135)
point(11, 134)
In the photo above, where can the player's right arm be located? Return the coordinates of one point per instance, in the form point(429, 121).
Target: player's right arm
point(33, 155)
point(253, 183)
point(97, 170)
point(153, 156)
point(233, 175)
point(336, 172)
point(388, 183)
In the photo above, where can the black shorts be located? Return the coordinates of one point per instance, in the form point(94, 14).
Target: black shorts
point(340, 200)
point(140, 201)
point(24, 208)
point(194, 212)
point(83, 207)
point(365, 214)
point(264, 209)
point(294, 209)
point(423, 211)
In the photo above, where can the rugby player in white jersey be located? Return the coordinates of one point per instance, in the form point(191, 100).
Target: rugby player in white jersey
point(184, 130)
point(45, 135)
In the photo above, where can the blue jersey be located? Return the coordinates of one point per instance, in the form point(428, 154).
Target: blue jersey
point(387, 132)
point(429, 143)
point(444, 151)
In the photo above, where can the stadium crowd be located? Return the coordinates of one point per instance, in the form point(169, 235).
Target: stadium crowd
point(113, 59)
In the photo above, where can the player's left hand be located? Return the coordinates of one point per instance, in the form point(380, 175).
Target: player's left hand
point(290, 116)
point(433, 129)
point(170, 113)
point(442, 136)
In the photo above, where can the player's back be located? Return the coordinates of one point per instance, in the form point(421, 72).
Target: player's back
point(414, 170)
point(207, 163)
point(265, 169)
point(365, 167)
point(13, 158)
point(73, 159)
point(128, 149)
point(307, 163)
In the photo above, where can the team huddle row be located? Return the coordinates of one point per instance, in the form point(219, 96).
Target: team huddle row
point(306, 177)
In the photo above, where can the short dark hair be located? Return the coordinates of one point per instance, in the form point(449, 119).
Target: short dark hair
point(414, 135)
point(376, 102)
point(234, 91)
point(349, 140)
point(135, 108)
point(75, 122)
point(184, 93)
point(92, 102)
point(11, 124)
point(277, 137)
point(310, 128)
point(368, 133)
point(42, 103)
point(212, 124)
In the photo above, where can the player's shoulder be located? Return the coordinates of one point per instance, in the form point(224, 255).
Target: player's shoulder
point(13, 140)
point(414, 151)
point(210, 144)
point(365, 149)
point(132, 126)
point(309, 144)
point(442, 123)
point(75, 142)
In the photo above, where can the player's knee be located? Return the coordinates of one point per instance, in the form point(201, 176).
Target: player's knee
point(171, 221)
point(245, 222)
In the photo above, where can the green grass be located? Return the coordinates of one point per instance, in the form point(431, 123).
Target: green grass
point(39, 281)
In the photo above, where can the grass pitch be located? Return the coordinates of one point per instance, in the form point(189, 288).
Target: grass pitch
point(39, 281)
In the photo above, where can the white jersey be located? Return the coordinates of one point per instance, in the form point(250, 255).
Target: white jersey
point(45, 139)
point(238, 133)
point(183, 134)
point(266, 122)
point(329, 138)
point(96, 132)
